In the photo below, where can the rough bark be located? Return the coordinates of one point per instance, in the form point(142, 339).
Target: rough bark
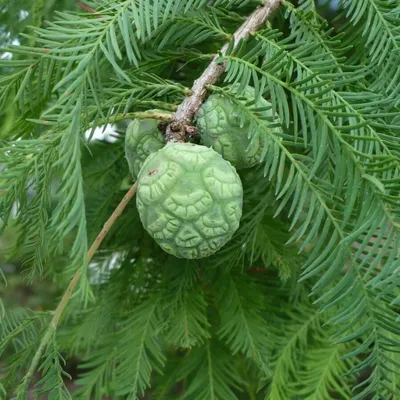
point(188, 109)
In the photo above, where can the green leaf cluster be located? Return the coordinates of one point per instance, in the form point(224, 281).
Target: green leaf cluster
point(303, 302)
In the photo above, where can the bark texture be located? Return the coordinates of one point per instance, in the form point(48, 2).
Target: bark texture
point(188, 109)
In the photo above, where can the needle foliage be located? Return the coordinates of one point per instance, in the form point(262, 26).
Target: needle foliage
point(303, 302)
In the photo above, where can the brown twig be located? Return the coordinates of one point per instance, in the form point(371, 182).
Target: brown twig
point(71, 287)
point(150, 114)
point(88, 9)
point(191, 105)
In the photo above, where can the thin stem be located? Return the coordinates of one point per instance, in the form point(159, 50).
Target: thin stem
point(191, 104)
point(70, 289)
point(151, 114)
point(110, 222)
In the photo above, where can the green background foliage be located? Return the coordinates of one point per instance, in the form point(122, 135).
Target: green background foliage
point(302, 303)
